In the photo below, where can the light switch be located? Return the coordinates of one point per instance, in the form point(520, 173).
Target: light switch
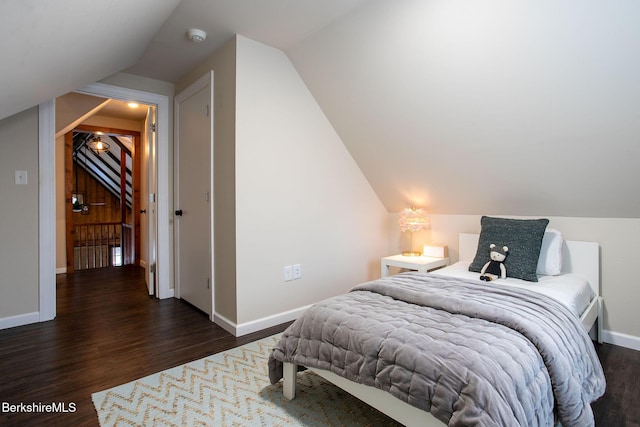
point(288, 273)
point(21, 178)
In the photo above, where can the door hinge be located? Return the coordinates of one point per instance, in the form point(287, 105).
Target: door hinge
point(152, 127)
point(208, 283)
point(207, 109)
point(152, 268)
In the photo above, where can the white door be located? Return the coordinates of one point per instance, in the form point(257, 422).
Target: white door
point(150, 214)
point(193, 201)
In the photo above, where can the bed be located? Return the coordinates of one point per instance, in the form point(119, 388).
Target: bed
point(395, 380)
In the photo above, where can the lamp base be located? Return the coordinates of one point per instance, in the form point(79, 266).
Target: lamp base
point(411, 253)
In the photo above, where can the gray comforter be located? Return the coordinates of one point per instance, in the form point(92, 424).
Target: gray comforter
point(470, 353)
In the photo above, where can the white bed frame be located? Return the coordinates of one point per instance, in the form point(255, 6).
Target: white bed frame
point(582, 258)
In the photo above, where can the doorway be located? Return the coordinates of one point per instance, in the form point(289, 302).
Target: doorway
point(47, 192)
point(102, 181)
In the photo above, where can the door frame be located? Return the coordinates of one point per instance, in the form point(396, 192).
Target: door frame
point(150, 192)
point(46, 205)
point(46, 190)
point(204, 81)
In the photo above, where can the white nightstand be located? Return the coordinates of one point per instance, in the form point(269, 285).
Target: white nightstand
point(420, 263)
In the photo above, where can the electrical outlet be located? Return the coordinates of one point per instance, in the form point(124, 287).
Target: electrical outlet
point(288, 273)
point(297, 271)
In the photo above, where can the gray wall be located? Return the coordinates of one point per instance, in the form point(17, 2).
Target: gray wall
point(19, 225)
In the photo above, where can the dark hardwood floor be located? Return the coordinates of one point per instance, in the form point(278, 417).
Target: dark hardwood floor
point(108, 331)
point(620, 405)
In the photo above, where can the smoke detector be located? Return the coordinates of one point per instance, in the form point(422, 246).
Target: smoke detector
point(196, 35)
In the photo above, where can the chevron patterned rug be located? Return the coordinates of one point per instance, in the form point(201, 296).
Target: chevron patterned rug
point(231, 389)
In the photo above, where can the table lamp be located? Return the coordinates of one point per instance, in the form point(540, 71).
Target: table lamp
point(413, 219)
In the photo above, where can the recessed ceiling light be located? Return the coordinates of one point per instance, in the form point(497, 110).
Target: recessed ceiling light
point(133, 104)
point(196, 35)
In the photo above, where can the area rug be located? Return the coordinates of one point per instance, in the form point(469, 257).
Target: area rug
point(231, 389)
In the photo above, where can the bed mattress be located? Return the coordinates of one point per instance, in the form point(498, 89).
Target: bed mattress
point(569, 289)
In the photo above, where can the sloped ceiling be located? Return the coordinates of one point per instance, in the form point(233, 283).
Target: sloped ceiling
point(277, 23)
point(52, 47)
point(463, 107)
point(487, 107)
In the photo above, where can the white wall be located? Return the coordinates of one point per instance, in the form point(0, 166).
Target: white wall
point(300, 197)
point(19, 225)
point(619, 240)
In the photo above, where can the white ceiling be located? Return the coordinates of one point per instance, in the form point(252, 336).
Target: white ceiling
point(122, 109)
point(458, 106)
point(52, 47)
point(277, 23)
point(487, 107)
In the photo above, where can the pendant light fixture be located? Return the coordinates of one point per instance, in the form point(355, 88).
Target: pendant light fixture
point(98, 145)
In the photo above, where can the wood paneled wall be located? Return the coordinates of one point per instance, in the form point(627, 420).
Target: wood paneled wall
point(93, 193)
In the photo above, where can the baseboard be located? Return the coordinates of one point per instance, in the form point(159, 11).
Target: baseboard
point(171, 293)
point(225, 323)
point(615, 338)
point(62, 270)
point(259, 324)
point(19, 320)
point(620, 339)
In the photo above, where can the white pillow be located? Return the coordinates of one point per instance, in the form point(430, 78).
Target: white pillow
point(550, 260)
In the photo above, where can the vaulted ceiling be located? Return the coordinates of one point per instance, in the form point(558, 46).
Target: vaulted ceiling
point(487, 107)
point(458, 106)
point(51, 47)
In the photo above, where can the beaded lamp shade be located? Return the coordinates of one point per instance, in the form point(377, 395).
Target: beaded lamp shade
point(413, 219)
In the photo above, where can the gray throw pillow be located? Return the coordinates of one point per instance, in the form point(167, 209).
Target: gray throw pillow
point(522, 236)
